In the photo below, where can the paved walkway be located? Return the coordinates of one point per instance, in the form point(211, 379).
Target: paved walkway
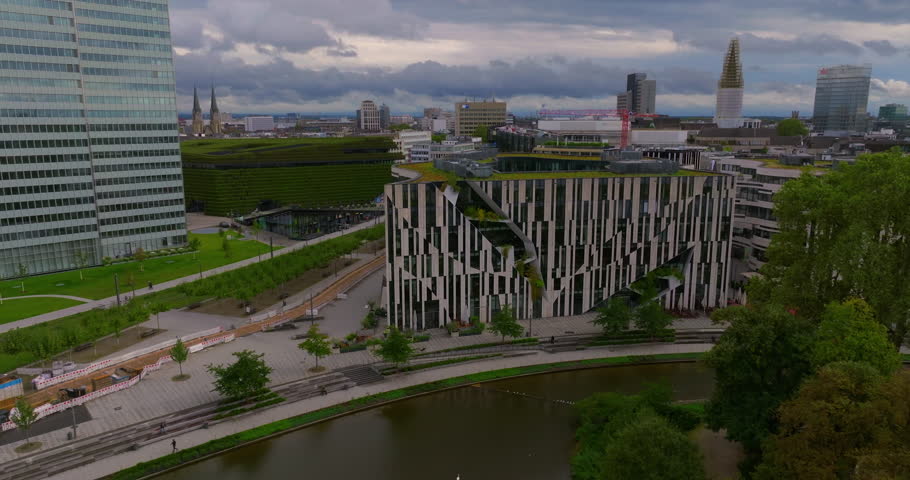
point(68, 297)
point(47, 317)
point(196, 437)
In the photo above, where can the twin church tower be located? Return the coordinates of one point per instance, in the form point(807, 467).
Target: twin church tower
point(215, 126)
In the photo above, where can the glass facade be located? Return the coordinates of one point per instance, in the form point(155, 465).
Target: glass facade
point(89, 150)
point(842, 99)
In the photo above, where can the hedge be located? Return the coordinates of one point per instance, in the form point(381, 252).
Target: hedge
point(441, 363)
point(520, 341)
point(215, 446)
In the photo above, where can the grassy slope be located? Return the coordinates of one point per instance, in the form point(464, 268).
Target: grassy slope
point(13, 310)
point(99, 281)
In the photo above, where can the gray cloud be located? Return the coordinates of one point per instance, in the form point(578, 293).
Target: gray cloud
point(281, 81)
point(881, 47)
point(717, 40)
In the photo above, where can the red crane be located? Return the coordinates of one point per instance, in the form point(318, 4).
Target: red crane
point(624, 115)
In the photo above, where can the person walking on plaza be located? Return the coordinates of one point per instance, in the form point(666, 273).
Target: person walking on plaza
point(174, 445)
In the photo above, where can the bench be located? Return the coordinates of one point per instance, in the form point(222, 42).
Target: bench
point(148, 333)
point(84, 346)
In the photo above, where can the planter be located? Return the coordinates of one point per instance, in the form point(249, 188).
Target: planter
point(454, 334)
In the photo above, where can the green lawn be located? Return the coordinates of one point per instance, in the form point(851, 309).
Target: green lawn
point(99, 281)
point(13, 310)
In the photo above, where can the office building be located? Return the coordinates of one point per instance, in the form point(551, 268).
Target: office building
point(842, 100)
point(470, 115)
point(640, 95)
point(368, 117)
point(259, 124)
point(893, 113)
point(558, 246)
point(89, 152)
point(405, 140)
point(730, 89)
point(385, 117)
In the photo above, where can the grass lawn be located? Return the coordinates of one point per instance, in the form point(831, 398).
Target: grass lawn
point(13, 310)
point(432, 174)
point(99, 281)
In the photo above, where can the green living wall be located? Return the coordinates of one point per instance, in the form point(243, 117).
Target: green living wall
point(241, 191)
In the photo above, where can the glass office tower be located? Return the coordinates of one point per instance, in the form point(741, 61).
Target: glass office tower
point(89, 154)
point(842, 99)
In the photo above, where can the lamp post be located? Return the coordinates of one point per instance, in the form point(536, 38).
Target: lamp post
point(117, 288)
point(73, 410)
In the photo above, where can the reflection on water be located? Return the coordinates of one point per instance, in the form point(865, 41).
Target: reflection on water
point(479, 433)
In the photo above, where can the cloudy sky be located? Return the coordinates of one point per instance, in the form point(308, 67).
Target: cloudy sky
point(322, 56)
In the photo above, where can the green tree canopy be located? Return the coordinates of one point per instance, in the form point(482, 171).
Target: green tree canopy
point(396, 347)
point(614, 317)
point(759, 362)
point(248, 375)
point(792, 127)
point(505, 324)
point(439, 137)
point(24, 417)
point(651, 449)
point(849, 332)
point(179, 353)
point(848, 422)
point(316, 344)
point(844, 234)
point(482, 131)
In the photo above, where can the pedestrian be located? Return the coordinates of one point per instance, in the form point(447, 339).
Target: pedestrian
point(552, 340)
point(150, 286)
point(174, 445)
point(323, 391)
point(161, 428)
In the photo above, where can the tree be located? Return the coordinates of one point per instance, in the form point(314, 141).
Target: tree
point(316, 344)
point(844, 234)
point(847, 422)
point(650, 448)
point(226, 246)
point(24, 417)
point(652, 319)
point(792, 127)
point(256, 228)
point(396, 348)
point(116, 324)
point(247, 376)
point(483, 132)
point(439, 137)
point(81, 258)
point(141, 256)
point(849, 332)
point(759, 362)
point(157, 308)
point(505, 324)
point(195, 243)
point(614, 317)
point(179, 353)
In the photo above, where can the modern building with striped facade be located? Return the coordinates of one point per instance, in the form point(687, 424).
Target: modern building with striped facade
point(553, 246)
point(89, 154)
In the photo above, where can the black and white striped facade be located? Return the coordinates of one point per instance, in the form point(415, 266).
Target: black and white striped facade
point(589, 238)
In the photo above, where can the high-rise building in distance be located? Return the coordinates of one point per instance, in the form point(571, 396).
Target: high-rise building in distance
point(640, 95)
point(89, 152)
point(893, 113)
point(842, 99)
point(730, 88)
point(369, 120)
point(385, 117)
point(470, 115)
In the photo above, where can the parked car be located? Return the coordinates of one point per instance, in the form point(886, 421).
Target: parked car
point(224, 225)
point(4, 416)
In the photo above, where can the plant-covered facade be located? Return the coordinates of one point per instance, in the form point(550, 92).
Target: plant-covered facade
point(235, 177)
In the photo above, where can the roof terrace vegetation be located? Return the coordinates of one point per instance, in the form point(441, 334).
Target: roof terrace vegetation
point(430, 174)
point(254, 151)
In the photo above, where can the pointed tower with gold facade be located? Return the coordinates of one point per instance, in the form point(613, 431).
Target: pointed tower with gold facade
point(198, 124)
point(216, 126)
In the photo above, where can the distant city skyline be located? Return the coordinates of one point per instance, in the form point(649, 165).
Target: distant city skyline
point(288, 55)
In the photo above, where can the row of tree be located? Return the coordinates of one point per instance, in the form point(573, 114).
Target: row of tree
point(247, 282)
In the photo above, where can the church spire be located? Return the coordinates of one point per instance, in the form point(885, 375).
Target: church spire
point(198, 124)
point(214, 101)
point(196, 107)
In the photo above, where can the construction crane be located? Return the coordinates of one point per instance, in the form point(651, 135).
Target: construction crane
point(625, 117)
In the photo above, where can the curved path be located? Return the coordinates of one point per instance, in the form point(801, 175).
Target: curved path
point(155, 448)
point(68, 297)
point(91, 304)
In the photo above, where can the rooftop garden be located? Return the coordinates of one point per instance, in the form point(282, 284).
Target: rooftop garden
point(291, 150)
point(429, 173)
point(775, 163)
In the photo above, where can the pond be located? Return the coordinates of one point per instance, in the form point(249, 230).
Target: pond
point(511, 429)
